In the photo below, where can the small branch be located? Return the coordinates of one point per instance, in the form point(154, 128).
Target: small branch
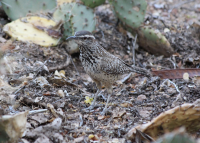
point(134, 43)
point(177, 89)
point(37, 111)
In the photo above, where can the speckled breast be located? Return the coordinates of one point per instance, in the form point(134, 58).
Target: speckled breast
point(94, 71)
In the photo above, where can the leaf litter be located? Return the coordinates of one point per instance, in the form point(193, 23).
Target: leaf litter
point(29, 81)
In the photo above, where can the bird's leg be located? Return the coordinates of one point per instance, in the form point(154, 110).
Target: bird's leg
point(101, 95)
point(95, 96)
point(110, 92)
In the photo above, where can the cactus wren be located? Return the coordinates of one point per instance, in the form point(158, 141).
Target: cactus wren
point(103, 67)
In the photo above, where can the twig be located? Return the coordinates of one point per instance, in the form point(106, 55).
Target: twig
point(102, 34)
point(102, 96)
point(81, 118)
point(126, 78)
point(37, 111)
point(134, 43)
point(18, 91)
point(171, 83)
point(175, 86)
point(174, 64)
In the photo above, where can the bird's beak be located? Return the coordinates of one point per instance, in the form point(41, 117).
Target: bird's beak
point(71, 37)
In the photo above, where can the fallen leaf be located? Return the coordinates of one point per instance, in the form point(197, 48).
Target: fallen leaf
point(88, 100)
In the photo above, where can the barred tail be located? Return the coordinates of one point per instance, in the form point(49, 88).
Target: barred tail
point(140, 70)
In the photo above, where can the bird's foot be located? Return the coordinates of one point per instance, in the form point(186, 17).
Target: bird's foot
point(91, 107)
point(103, 112)
point(99, 95)
point(104, 98)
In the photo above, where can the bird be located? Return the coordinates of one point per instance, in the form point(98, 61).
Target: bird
point(103, 67)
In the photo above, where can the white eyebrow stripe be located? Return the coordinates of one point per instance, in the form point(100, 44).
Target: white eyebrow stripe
point(87, 36)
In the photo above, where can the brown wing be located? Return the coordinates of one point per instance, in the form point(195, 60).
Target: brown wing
point(114, 65)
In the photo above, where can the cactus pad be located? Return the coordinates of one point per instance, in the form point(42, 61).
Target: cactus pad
point(92, 3)
point(60, 2)
point(76, 17)
point(20, 8)
point(24, 30)
point(154, 42)
point(130, 12)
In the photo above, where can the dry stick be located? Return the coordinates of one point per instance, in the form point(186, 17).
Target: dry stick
point(178, 5)
point(102, 34)
point(177, 89)
point(37, 111)
point(174, 64)
point(146, 136)
point(81, 118)
point(134, 43)
point(126, 78)
point(18, 90)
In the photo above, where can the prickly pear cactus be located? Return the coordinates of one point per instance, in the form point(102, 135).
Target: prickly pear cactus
point(130, 12)
point(154, 42)
point(92, 3)
point(20, 8)
point(60, 2)
point(68, 27)
point(76, 17)
point(83, 18)
point(25, 30)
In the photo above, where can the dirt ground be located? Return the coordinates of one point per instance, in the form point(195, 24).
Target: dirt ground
point(134, 102)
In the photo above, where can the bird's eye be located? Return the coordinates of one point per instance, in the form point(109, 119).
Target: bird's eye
point(85, 38)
